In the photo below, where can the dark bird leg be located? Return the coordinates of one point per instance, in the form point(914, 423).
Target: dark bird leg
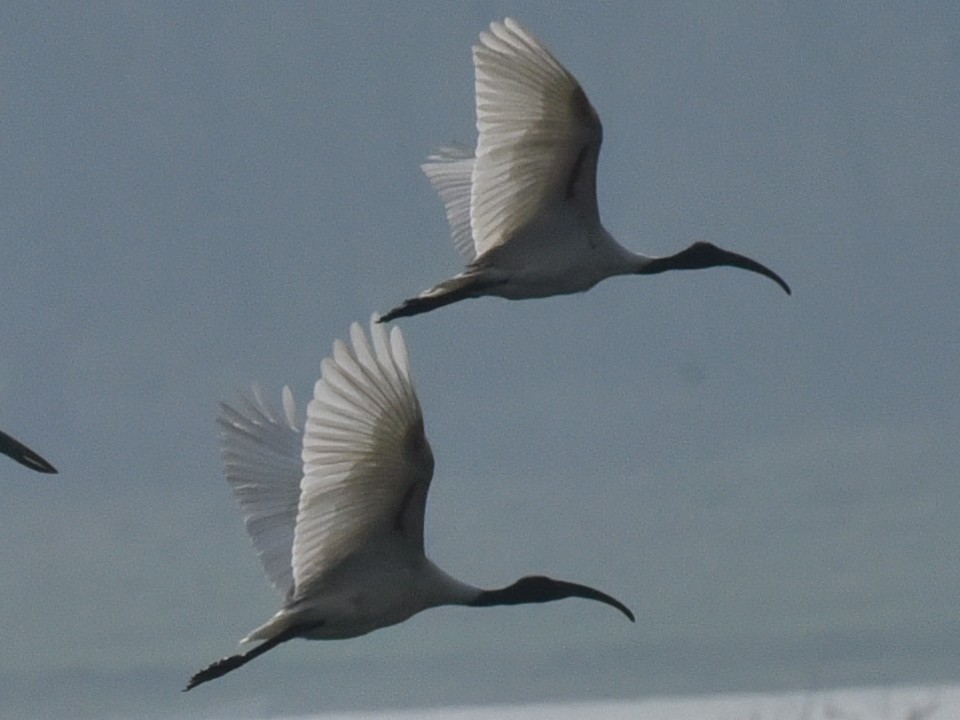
point(463, 286)
point(228, 664)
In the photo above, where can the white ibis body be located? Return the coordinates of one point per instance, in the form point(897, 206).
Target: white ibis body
point(523, 207)
point(335, 511)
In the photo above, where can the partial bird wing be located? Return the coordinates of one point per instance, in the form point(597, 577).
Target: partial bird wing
point(539, 137)
point(367, 462)
point(22, 454)
point(450, 171)
point(261, 457)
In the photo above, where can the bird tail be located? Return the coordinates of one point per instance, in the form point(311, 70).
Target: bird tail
point(277, 625)
point(465, 285)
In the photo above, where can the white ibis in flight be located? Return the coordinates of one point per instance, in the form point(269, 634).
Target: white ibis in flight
point(523, 206)
point(335, 510)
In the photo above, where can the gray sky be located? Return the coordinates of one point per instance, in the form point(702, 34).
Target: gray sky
point(199, 196)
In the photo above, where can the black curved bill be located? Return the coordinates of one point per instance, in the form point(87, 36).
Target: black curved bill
point(22, 454)
point(569, 589)
point(744, 263)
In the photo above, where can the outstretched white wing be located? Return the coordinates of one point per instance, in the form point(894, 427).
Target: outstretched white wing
point(450, 171)
point(261, 457)
point(367, 463)
point(539, 137)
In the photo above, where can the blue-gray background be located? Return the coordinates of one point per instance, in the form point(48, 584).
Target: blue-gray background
point(195, 196)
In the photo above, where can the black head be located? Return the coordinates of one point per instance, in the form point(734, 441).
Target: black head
point(702, 255)
point(539, 589)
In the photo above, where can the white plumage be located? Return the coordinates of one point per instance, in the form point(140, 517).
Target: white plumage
point(336, 511)
point(523, 206)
